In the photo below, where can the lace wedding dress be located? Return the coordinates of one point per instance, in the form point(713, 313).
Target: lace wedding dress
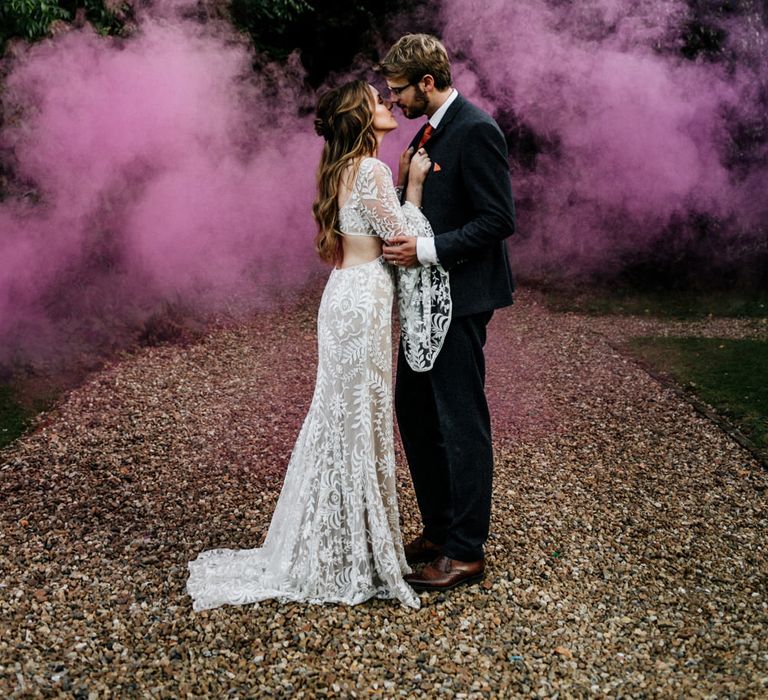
point(335, 533)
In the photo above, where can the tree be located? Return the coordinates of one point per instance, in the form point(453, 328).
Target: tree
point(29, 19)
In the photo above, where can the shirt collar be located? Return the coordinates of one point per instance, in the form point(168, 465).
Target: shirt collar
point(437, 117)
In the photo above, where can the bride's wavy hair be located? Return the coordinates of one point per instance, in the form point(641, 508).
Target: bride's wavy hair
point(344, 118)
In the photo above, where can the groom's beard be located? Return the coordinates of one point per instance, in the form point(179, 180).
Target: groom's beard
point(418, 107)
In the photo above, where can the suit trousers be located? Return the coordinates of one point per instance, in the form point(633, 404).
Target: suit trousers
point(446, 432)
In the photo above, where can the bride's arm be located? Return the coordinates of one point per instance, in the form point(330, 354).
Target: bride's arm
point(400, 227)
point(381, 206)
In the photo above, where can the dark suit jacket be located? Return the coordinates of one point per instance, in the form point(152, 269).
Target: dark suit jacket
point(468, 201)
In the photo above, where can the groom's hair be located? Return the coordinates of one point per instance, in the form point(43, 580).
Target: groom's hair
point(416, 55)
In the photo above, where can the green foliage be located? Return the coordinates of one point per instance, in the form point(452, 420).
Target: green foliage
point(278, 13)
point(104, 20)
point(327, 36)
point(730, 375)
point(267, 20)
point(29, 19)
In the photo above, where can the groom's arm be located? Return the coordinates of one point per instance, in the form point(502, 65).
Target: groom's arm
point(485, 173)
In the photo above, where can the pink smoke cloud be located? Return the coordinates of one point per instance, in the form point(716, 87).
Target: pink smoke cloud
point(635, 135)
point(167, 171)
point(164, 170)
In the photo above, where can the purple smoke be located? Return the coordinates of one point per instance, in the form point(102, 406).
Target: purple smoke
point(633, 137)
point(167, 172)
point(161, 170)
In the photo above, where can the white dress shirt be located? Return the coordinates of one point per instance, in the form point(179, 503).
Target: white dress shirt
point(425, 247)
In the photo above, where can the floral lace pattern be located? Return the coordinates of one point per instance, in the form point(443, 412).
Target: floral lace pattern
point(423, 293)
point(335, 533)
point(423, 302)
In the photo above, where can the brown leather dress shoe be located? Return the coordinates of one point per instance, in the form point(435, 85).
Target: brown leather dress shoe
point(421, 550)
point(444, 573)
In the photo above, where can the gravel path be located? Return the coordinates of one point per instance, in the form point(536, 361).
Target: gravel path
point(627, 557)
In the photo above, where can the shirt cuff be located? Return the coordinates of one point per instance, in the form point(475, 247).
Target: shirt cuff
point(425, 251)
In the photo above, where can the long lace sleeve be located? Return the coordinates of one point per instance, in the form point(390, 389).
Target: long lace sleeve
point(423, 292)
point(381, 206)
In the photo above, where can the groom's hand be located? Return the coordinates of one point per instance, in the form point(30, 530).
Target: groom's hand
point(401, 251)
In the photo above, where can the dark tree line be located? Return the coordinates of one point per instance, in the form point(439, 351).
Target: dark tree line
point(328, 35)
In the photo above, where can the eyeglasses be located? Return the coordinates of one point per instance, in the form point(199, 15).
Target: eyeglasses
point(395, 91)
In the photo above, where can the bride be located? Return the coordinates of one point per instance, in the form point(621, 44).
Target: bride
point(335, 533)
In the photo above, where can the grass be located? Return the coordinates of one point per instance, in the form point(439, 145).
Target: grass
point(664, 304)
point(13, 416)
point(730, 375)
point(18, 407)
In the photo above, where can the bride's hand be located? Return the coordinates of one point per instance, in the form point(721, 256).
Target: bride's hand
point(403, 165)
point(419, 168)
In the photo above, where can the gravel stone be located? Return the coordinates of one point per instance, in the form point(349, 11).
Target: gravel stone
point(627, 554)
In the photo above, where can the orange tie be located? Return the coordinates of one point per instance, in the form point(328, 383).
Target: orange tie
point(425, 136)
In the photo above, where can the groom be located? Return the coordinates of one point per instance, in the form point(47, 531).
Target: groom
point(443, 413)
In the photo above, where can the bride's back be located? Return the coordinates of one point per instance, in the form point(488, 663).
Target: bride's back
point(360, 243)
